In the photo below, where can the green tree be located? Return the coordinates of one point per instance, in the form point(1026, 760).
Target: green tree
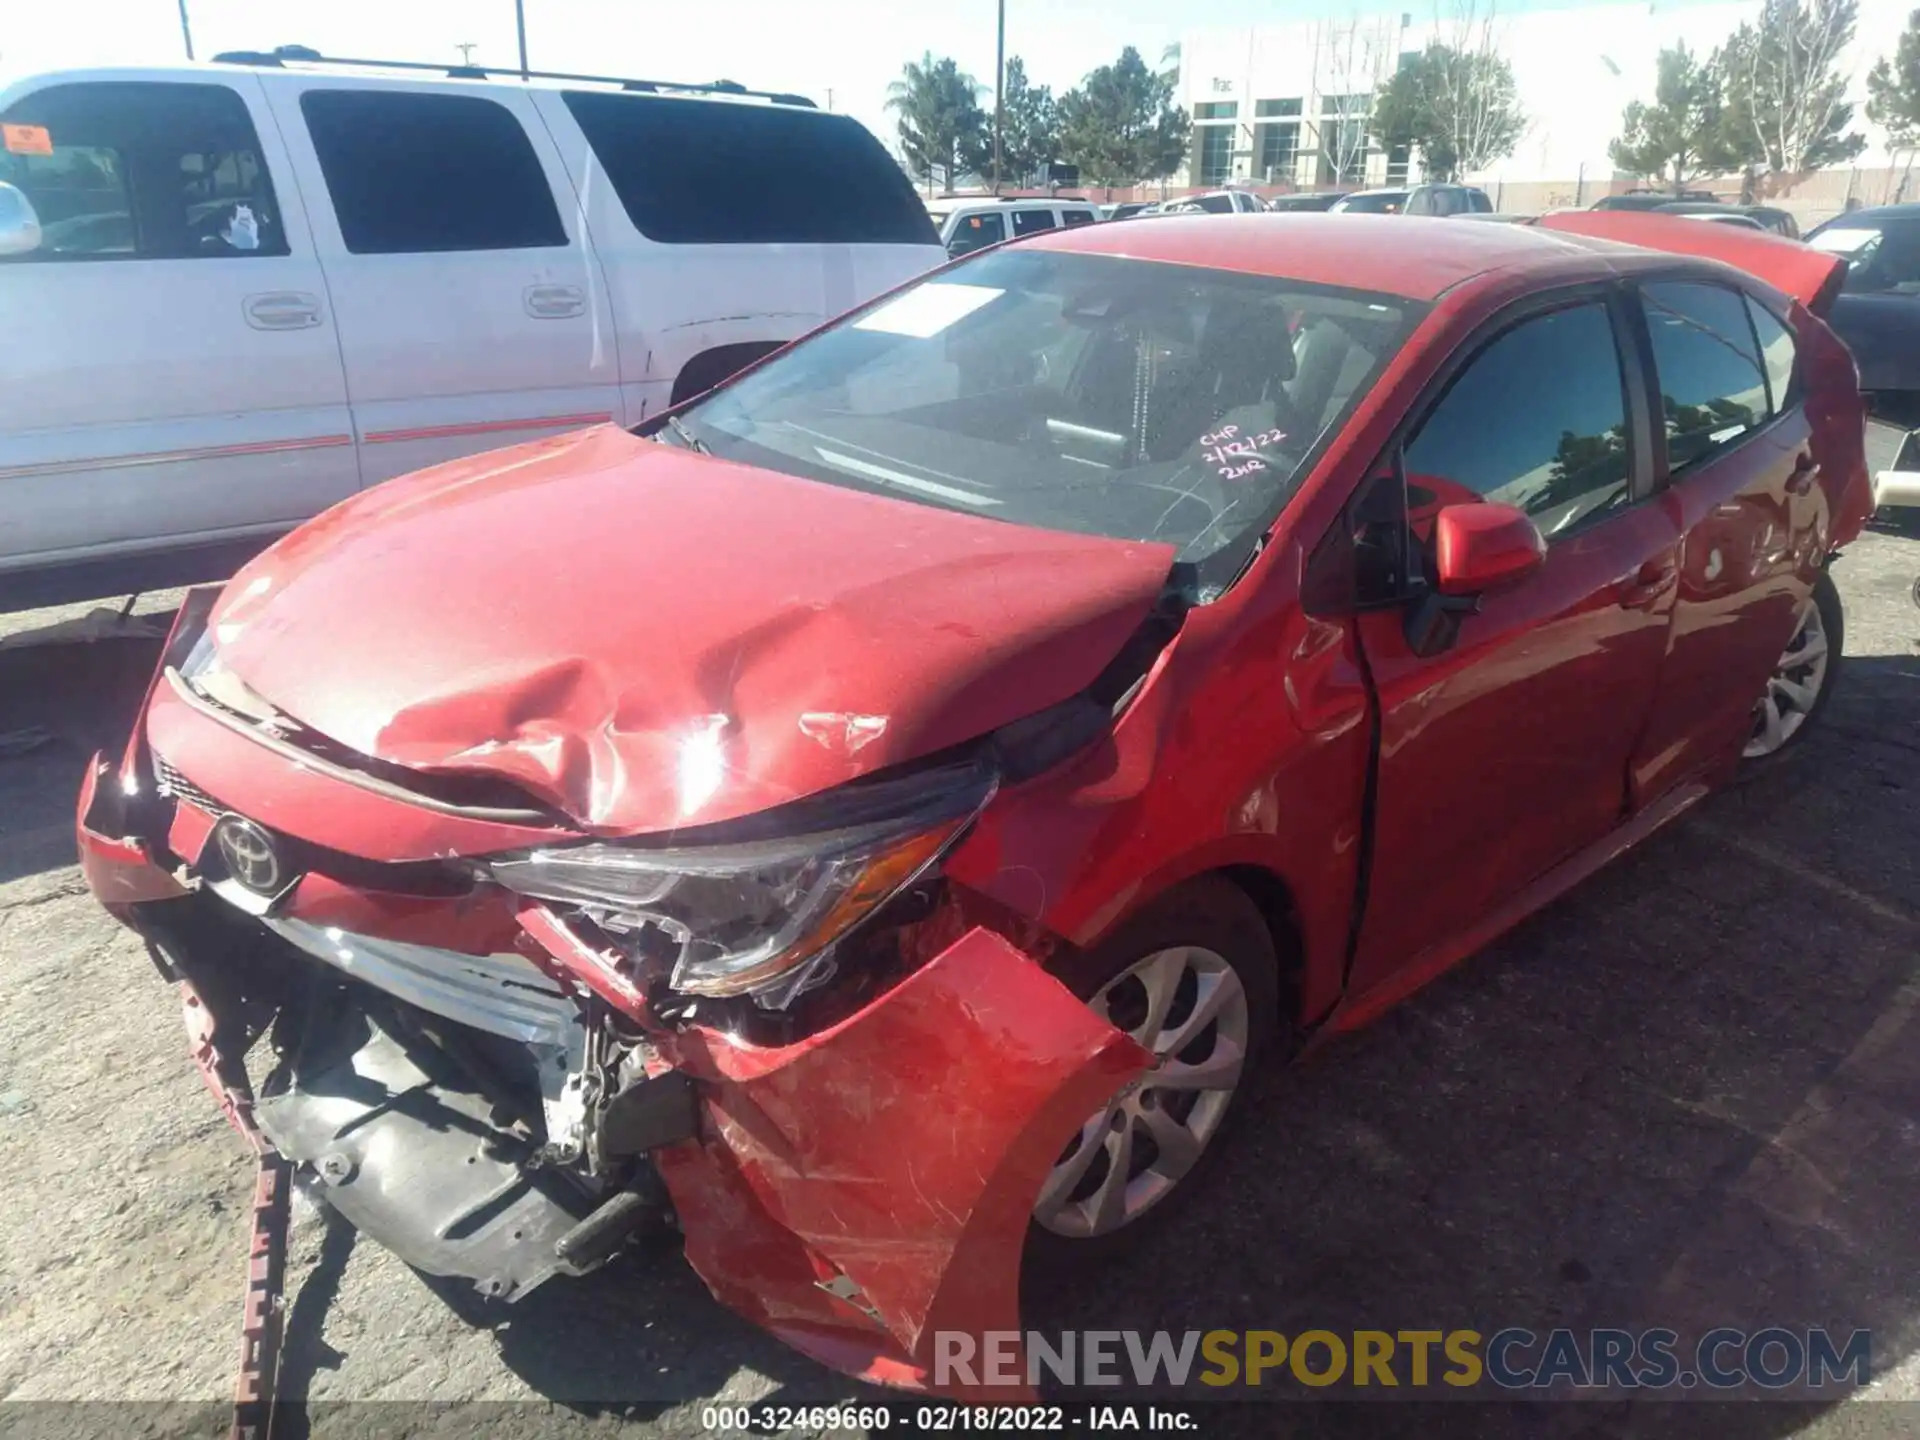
point(943, 130)
point(1030, 124)
point(1456, 104)
point(1120, 124)
point(1786, 111)
point(1683, 133)
point(1893, 89)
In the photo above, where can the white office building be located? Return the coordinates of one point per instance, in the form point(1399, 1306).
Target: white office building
point(1285, 105)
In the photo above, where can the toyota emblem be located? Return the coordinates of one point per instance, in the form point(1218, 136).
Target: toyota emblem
point(252, 858)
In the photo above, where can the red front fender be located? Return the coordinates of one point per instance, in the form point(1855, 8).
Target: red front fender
point(870, 1187)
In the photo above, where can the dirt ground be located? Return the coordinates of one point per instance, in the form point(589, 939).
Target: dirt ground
point(1687, 1094)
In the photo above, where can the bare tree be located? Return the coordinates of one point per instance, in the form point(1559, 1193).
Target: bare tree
point(1350, 60)
point(1785, 93)
point(1455, 101)
point(1477, 100)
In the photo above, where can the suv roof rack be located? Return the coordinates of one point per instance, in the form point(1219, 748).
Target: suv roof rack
point(306, 55)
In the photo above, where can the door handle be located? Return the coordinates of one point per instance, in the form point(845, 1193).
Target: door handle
point(1806, 470)
point(1643, 589)
point(554, 302)
point(282, 310)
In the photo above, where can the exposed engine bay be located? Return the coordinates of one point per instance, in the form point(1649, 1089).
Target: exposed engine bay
point(464, 1111)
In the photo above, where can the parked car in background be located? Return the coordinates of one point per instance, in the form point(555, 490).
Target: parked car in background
point(1649, 199)
point(1309, 201)
point(237, 293)
point(969, 225)
point(1765, 217)
point(830, 814)
point(1878, 314)
point(1124, 211)
point(1447, 200)
point(1371, 202)
point(1214, 202)
point(1745, 222)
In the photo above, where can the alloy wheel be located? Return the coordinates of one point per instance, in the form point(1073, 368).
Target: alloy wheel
point(1186, 1005)
point(1794, 687)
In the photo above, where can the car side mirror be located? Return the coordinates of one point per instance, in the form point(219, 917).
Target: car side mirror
point(1478, 547)
point(1482, 546)
point(19, 224)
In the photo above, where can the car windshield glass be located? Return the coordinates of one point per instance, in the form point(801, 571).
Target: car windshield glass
point(1879, 260)
point(1108, 396)
point(1377, 204)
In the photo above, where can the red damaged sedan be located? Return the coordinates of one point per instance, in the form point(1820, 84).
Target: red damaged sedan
point(871, 817)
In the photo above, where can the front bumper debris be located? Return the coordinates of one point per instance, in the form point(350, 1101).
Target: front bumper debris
point(471, 1114)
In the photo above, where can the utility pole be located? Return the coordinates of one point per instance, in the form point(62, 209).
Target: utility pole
point(520, 24)
point(186, 30)
point(999, 91)
point(466, 49)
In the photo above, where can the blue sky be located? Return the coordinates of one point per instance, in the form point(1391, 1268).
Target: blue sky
point(851, 48)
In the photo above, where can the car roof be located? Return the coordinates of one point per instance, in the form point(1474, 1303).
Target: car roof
point(1388, 254)
point(1873, 216)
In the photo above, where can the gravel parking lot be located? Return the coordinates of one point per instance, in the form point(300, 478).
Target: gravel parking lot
point(1689, 1094)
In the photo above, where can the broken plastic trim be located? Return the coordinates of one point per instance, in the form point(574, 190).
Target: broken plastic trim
point(1035, 744)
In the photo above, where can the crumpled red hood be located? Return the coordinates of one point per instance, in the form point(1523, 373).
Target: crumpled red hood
point(647, 638)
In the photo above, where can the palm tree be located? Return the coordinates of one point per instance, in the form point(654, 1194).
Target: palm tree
point(942, 127)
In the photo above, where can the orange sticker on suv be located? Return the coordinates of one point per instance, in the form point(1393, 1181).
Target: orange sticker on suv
point(27, 139)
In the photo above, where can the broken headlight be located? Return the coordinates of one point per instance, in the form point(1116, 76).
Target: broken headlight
point(760, 915)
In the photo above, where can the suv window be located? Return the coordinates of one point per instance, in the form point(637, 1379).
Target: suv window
point(141, 170)
point(720, 172)
point(1776, 349)
point(1713, 387)
point(1032, 222)
point(1077, 217)
point(1538, 420)
point(417, 174)
point(976, 232)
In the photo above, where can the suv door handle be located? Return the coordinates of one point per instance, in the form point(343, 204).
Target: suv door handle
point(282, 310)
point(1806, 470)
point(554, 302)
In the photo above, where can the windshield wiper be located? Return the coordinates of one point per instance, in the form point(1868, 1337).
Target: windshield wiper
point(686, 437)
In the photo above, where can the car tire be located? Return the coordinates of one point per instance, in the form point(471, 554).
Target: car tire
point(1798, 690)
point(1213, 941)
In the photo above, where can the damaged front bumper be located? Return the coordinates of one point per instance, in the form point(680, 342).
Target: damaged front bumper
point(514, 1115)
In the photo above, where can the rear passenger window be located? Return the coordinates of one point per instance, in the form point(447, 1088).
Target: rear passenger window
point(730, 172)
point(976, 232)
point(1537, 420)
point(1077, 217)
point(1032, 222)
point(1776, 352)
point(1713, 387)
point(413, 174)
point(141, 170)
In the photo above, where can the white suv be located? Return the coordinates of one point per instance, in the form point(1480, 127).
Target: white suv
point(236, 293)
point(969, 225)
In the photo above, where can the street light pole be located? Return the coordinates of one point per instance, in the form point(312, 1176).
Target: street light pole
point(999, 90)
point(519, 24)
point(186, 30)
